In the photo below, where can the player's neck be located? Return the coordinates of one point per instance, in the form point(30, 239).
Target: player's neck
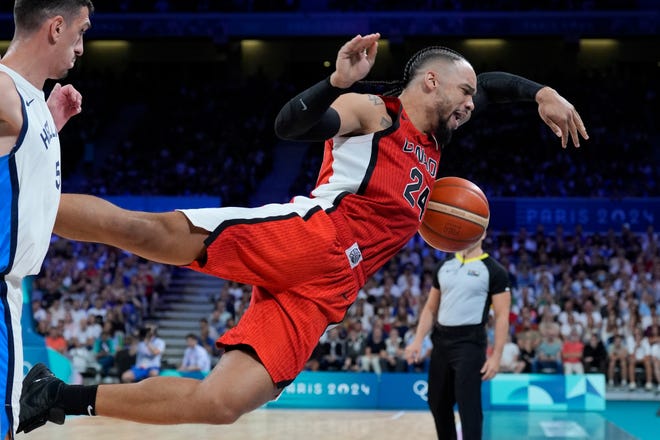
point(472, 253)
point(27, 62)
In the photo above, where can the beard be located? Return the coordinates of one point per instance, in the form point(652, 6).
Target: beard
point(443, 134)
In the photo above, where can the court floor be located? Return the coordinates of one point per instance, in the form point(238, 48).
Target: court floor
point(278, 424)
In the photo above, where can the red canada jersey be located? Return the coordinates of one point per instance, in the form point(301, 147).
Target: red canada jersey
point(379, 183)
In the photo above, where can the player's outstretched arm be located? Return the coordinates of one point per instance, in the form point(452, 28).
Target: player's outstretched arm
point(308, 116)
point(559, 114)
point(64, 102)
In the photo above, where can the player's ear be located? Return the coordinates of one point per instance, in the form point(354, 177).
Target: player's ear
point(430, 80)
point(56, 28)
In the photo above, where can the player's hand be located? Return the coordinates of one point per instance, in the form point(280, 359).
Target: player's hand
point(411, 353)
point(560, 116)
point(490, 369)
point(354, 60)
point(63, 103)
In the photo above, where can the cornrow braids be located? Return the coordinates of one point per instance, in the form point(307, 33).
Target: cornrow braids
point(414, 64)
point(423, 56)
point(385, 88)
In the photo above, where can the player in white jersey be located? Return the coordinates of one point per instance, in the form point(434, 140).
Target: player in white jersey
point(46, 43)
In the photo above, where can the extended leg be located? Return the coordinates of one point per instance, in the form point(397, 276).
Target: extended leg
point(237, 385)
point(163, 237)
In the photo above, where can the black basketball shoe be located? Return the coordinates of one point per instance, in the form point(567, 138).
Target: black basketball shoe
point(41, 392)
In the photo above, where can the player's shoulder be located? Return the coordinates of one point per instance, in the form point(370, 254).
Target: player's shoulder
point(370, 109)
point(357, 97)
point(9, 97)
point(360, 101)
point(10, 109)
point(494, 266)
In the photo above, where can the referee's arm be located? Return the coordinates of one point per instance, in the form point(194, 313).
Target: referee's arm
point(426, 321)
point(501, 306)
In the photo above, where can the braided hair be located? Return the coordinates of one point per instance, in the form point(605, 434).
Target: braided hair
point(414, 64)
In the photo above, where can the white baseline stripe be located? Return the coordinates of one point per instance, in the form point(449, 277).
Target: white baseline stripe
point(398, 415)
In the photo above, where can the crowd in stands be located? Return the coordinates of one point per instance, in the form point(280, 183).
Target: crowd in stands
point(580, 303)
point(91, 301)
point(213, 141)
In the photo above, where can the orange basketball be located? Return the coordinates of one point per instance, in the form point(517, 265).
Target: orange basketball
point(456, 215)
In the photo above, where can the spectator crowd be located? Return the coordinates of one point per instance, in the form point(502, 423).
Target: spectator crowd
point(91, 302)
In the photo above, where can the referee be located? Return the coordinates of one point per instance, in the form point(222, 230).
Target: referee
point(464, 287)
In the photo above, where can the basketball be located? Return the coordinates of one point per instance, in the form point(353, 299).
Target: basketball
point(456, 215)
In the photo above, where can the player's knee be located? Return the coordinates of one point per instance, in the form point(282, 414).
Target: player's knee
point(222, 414)
point(217, 410)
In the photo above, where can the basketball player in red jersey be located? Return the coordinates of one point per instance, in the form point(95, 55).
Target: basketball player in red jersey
point(306, 259)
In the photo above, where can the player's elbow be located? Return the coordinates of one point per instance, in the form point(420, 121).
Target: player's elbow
point(284, 126)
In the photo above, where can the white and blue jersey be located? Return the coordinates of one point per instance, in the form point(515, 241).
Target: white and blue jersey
point(29, 197)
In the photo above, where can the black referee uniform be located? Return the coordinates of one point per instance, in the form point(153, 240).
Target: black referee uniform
point(459, 341)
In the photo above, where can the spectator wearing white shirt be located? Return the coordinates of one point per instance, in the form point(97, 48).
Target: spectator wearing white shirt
point(640, 355)
point(572, 325)
point(653, 335)
point(78, 313)
point(82, 358)
point(619, 264)
point(590, 318)
point(371, 289)
point(195, 357)
point(390, 287)
point(148, 357)
point(510, 361)
point(94, 327)
point(547, 301)
point(568, 310)
point(544, 278)
point(38, 312)
point(97, 309)
point(409, 280)
point(82, 333)
point(57, 312)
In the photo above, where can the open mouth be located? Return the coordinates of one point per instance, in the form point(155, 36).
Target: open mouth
point(456, 119)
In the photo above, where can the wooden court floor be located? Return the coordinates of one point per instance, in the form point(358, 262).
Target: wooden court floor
point(281, 424)
point(263, 424)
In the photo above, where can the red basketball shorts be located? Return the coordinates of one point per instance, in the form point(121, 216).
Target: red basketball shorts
point(304, 271)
